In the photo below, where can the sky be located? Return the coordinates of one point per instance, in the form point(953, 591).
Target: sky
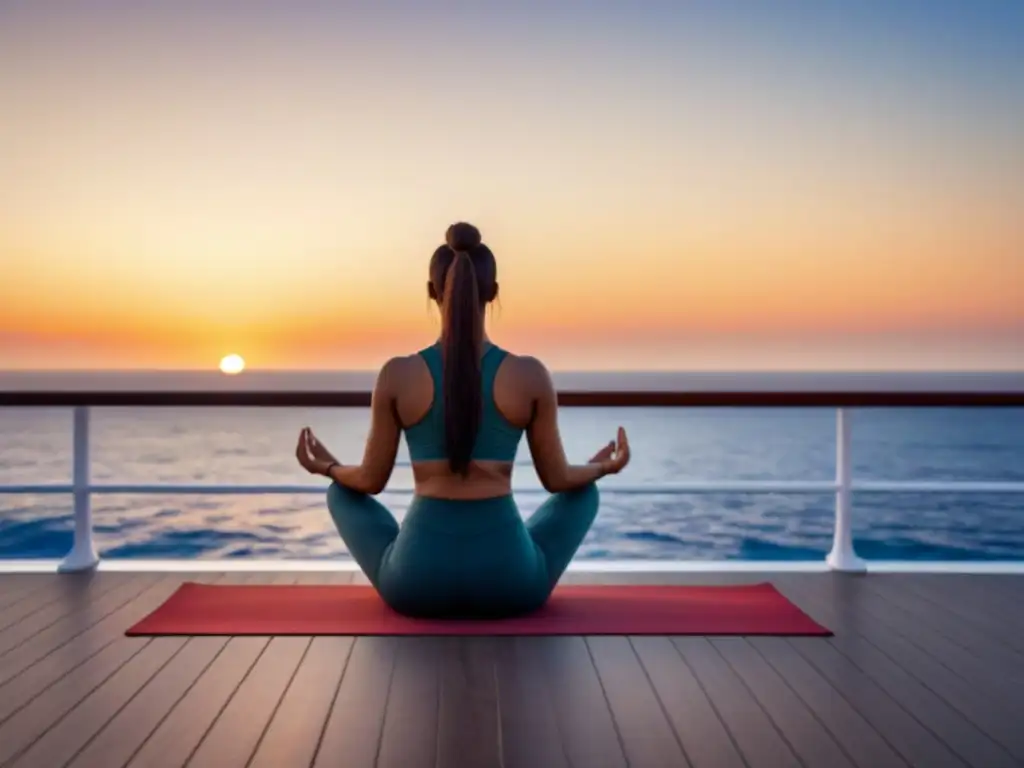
point(669, 186)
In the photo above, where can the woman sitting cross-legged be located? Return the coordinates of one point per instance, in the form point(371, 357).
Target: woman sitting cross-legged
point(463, 550)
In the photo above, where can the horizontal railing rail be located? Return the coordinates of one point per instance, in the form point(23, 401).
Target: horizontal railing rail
point(839, 392)
point(569, 398)
point(340, 390)
point(649, 489)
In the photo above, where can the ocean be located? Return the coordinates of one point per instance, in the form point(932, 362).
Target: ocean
point(255, 446)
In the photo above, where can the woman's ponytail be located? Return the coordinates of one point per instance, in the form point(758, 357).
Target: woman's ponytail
point(462, 346)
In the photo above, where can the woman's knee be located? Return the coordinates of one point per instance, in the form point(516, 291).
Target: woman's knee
point(343, 502)
point(586, 496)
point(339, 497)
point(359, 514)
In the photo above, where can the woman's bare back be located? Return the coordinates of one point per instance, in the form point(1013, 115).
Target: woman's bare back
point(514, 398)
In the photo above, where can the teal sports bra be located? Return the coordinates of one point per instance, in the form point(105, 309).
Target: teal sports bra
point(497, 439)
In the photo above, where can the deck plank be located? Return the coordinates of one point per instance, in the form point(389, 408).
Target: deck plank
point(55, 591)
point(73, 731)
point(411, 718)
point(468, 728)
point(876, 701)
point(647, 735)
point(759, 740)
point(802, 728)
point(82, 602)
point(980, 684)
point(180, 732)
point(862, 741)
point(900, 729)
point(999, 593)
point(922, 686)
point(32, 589)
point(293, 735)
point(15, 585)
point(996, 597)
point(529, 726)
point(703, 736)
point(31, 721)
point(325, 577)
point(235, 734)
point(356, 722)
point(920, 672)
point(589, 734)
point(35, 667)
point(970, 653)
point(928, 599)
point(33, 602)
point(123, 735)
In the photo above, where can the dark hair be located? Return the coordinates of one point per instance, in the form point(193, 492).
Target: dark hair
point(463, 279)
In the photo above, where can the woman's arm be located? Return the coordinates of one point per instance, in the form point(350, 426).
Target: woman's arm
point(372, 475)
point(553, 468)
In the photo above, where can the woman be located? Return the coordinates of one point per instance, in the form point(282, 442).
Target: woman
point(463, 403)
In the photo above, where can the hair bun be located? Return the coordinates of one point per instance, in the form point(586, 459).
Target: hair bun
point(462, 237)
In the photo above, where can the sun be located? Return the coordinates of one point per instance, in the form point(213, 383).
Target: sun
point(232, 364)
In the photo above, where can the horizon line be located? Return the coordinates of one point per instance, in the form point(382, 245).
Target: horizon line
point(251, 371)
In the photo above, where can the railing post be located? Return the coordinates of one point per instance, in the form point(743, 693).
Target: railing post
point(842, 557)
point(83, 555)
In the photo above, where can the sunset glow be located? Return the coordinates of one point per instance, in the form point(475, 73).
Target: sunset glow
point(232, 365)
point(664, 185)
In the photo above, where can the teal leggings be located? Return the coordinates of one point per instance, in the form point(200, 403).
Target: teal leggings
point(463, 559)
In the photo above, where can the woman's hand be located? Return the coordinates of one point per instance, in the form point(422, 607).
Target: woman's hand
point(312, 454)
point(613, 457)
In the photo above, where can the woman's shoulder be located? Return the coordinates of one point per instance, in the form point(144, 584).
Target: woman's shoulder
point(401, 368)
point(527, 370)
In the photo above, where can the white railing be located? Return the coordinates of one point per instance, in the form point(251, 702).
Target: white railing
point(842, 557)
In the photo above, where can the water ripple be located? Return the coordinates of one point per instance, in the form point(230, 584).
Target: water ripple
point(246, 446)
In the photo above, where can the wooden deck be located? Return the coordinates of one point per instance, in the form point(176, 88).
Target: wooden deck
point(923, 671)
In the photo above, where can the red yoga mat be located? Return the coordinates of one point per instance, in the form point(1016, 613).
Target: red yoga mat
point(346, 609)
